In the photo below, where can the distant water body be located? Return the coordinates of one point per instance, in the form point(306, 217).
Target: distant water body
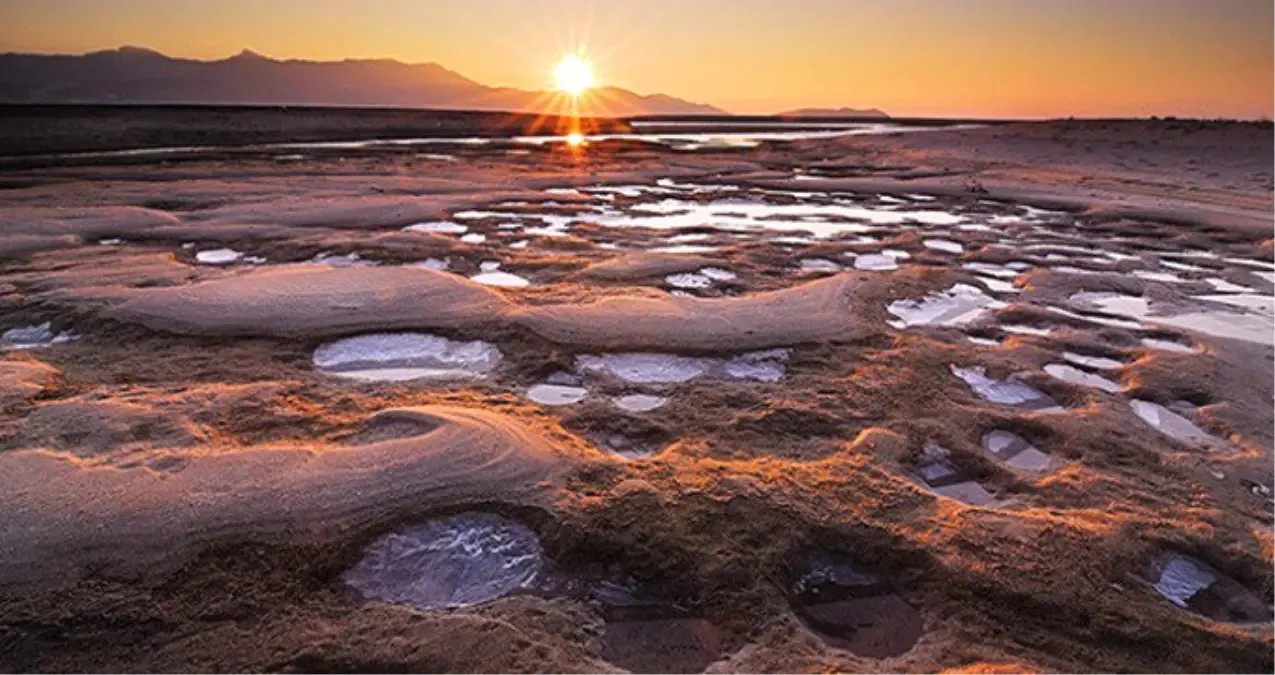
point(715, 135)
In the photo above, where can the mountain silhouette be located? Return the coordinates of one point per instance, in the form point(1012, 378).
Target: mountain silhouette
point(139, 75)
point(850, 113)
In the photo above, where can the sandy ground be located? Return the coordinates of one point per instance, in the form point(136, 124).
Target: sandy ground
point(182, 490)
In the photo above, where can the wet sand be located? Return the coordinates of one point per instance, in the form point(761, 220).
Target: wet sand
point(976, 400)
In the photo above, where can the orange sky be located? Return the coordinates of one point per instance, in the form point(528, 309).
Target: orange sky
point(994, 58)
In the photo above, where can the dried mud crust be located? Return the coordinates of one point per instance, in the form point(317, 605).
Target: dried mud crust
point(183, 491)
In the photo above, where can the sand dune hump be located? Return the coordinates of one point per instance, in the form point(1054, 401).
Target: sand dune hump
point(813, 312)
point(314, 301)
point(644, 265)
point(137, 520)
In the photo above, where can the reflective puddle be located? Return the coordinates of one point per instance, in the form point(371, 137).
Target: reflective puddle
point(1079, 377)
point(941, 476)
point(655, 368)
point(33, 337)
point(853, 609)
point(957, 306)
point(1006, 392)
point(1196, 586)
point(218, 256)
point(395, 357)
point(639, 403)
point(1174, 425)
point(647, 635)
point(1252, 323)
point(458, 561)
point(1015, 452)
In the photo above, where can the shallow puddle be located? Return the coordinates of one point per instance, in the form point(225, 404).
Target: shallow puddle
point(33, 337)
point(645, 368)
point(639, 403)
point(1168, 346)
point(819, 265)
point(438, 227)
point(937, 473)
point(556, 394)
point(458, 561)
point(876, 262)
point(944, 246)
point(1095, 362)
point(1223, 286)
point(1255, 324)
point(959, 305)
point(991, 270)
point(1015, 452)
point(218, 256)
point(335, 260)
point(1096, 318)
point(644, 635)
point(655, 368)
point(432, 264)
point(853, 609)
point(1081, 378)
point(1023, 329)
point(1006, 392)
point(1174, 425)
point(394, 357)
point(735, 214)
point(492, 276)
point(685, 249)
point(999, 285)
point(705, 278)
point(1194, 585)
point(688, 281)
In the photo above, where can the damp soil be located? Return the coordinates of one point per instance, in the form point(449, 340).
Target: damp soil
point(187, 492)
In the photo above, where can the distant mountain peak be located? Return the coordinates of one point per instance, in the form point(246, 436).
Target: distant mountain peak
point(129, 50)
point(249, 55)
point(845, 111)
point(251, 78)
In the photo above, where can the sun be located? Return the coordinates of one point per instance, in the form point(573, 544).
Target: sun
point(573, 75)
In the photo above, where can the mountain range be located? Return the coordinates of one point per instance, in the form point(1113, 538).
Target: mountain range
point(851, 113)
point(138, 75)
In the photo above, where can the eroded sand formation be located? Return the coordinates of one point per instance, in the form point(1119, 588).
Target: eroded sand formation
point(856, 403)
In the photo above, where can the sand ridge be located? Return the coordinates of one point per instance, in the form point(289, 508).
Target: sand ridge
point(313, 300)
point(125, 516)
point(812, 312)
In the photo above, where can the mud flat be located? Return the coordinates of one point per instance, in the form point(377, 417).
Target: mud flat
point(709, 401)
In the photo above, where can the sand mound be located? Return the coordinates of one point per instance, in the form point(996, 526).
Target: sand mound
point(813, 312)
point(312, 301)
point(21, 381)
point(96, 266)
point(18, 245)
point(138, 520)
point(350, 212)
point(89, 222)
point(358, 212)
point(644, 265)
point(223, 232)
point(95, 428)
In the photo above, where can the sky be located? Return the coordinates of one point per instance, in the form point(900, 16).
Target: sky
point(928, 58)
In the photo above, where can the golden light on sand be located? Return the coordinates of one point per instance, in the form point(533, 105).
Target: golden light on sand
point(573, 75)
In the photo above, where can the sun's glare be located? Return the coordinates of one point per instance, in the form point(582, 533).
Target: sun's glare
point(573, 75)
